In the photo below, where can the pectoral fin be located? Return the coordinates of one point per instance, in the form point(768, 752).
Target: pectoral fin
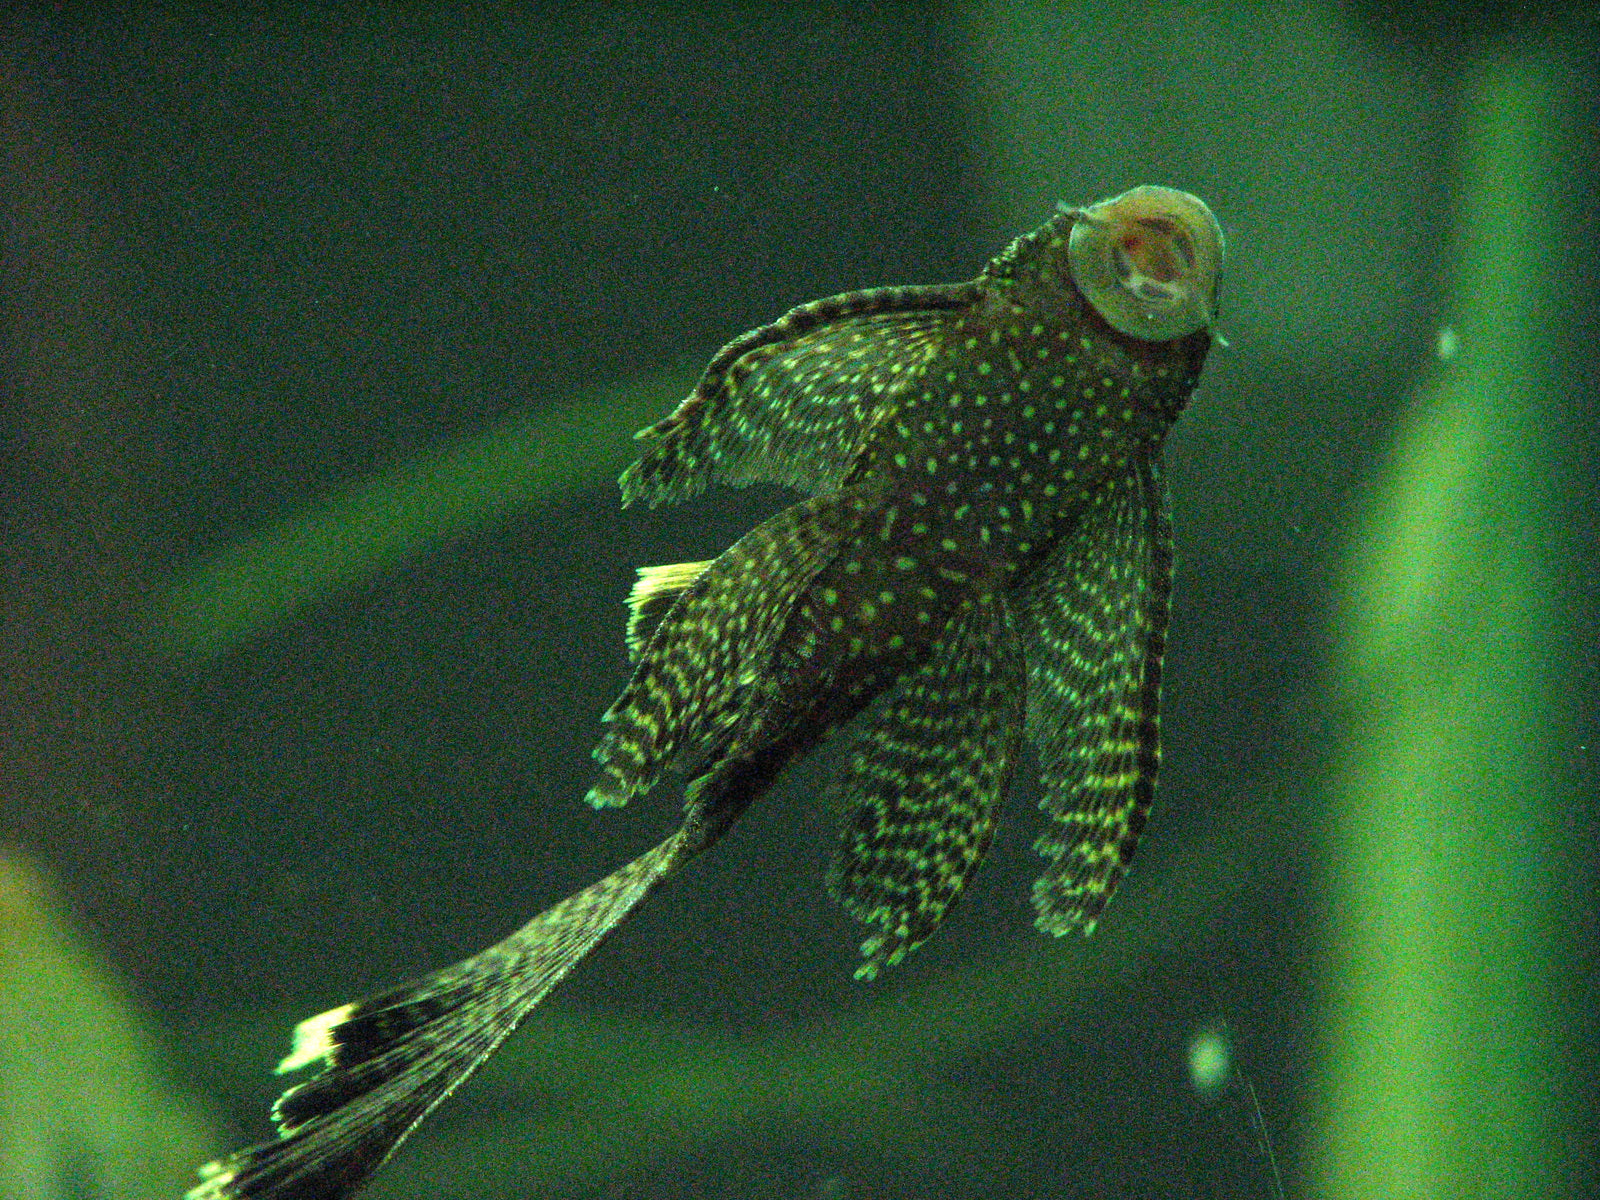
point(1094, 625)
point(792, 402)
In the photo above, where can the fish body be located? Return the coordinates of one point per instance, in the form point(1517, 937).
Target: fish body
point(983, 559)
point(988, 456)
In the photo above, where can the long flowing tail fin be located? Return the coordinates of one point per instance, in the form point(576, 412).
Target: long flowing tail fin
point(389, 1060)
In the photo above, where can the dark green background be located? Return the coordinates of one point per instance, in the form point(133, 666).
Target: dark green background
point(253, 261)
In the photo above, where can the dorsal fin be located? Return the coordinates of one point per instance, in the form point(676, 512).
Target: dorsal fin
point(652, 594)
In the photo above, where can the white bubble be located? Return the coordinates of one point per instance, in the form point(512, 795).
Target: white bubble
point(1447, 345)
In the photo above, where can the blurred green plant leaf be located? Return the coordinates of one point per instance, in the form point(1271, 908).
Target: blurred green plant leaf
point(342, 541)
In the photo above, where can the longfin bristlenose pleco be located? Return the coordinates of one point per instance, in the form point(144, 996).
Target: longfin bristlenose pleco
point(984, 557)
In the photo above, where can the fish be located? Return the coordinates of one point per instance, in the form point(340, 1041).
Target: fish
point(981, 558)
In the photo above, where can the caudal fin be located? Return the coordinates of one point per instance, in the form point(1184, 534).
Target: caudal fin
point(389, 1060)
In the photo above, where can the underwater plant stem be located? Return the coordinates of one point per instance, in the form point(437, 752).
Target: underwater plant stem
point(1441, 1058)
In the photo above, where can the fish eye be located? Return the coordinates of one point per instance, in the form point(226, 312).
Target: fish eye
point(1149, 261)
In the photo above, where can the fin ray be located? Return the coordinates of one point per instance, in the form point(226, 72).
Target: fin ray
point(652, 595)
point(1094, 624)
point(388, 1061)
point(793, 402)
point(695, 673)
point(923, 781)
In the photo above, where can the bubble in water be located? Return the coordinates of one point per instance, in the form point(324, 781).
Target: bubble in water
point(1210, 1061)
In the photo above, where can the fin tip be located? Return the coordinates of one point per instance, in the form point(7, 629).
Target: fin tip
point(601, 800)
point(313, 1039)
point(1059, 925)
point(215, 1178)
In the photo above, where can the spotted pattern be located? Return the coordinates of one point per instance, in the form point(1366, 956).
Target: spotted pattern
point(922, 779)
point(985, 556)
point(791, 402)
point(1094, 621)
point(714, 642)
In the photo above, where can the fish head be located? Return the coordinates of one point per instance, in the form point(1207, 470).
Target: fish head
point(1149, 262)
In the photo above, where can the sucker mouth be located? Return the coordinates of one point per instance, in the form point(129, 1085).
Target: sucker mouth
point(1148, 261)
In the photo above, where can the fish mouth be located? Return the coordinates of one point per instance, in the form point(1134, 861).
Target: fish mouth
point(1149, 261)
